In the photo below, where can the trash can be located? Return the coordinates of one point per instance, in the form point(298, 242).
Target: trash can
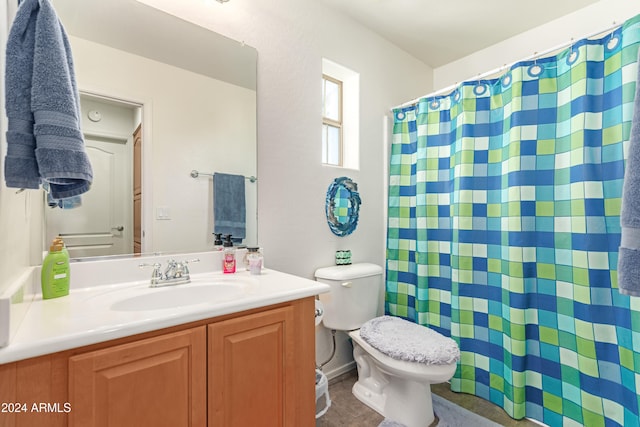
point(322, 389)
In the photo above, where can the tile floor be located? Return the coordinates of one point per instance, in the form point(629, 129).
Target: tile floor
point(347, 411)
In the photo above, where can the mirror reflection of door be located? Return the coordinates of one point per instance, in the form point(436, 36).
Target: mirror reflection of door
point(102, 223)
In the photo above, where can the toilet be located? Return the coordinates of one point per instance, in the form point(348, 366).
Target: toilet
point(397, 360)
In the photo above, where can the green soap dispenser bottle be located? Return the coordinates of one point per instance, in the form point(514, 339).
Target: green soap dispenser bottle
point(55, 272)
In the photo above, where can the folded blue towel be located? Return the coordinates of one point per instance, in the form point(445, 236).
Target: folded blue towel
point(44, 140)
point(629, 254)
point(229, 207)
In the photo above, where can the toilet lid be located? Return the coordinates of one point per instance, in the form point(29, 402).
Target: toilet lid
point(404, 340)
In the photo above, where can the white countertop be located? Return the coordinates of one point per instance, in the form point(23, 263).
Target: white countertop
point(90, 315)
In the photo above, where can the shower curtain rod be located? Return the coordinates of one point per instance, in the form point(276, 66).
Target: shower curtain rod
point(535, 55)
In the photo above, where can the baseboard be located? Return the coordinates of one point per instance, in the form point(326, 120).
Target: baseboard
point(340, 370)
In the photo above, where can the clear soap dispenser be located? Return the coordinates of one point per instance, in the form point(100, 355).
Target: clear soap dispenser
point(253, 259)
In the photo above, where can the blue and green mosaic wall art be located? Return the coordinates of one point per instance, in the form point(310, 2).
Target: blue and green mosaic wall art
point(504, 227)
point(342, 206)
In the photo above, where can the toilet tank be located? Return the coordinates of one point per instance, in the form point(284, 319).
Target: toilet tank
point(354, 296)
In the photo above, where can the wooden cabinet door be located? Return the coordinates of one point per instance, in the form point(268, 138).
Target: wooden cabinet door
point(34, 392)
point(159, 381)
point(252, 369)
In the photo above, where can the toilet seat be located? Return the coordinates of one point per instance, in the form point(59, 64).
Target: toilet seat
point(408, 341)
point(403, 368)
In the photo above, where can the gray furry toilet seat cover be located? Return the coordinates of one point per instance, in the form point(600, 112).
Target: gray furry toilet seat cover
point(404, 340)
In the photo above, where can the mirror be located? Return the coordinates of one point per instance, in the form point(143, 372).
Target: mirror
point(190, 94)
point(342, 206)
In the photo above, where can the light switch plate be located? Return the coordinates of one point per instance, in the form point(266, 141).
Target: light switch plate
point(163, 213)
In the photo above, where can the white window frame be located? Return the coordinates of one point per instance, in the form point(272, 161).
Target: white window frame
point(350, 112)
point(326, 121)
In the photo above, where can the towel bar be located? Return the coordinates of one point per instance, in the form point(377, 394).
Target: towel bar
point(195, 174)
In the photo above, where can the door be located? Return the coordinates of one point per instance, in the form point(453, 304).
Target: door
point(99, 224)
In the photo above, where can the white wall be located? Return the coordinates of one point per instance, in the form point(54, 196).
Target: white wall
point(577, 25)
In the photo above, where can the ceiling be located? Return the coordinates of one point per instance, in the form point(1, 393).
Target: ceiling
point(441, 31)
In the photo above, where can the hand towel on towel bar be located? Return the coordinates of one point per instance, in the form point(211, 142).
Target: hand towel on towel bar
point(44, 140)
point(229, 207)
point(629, 252)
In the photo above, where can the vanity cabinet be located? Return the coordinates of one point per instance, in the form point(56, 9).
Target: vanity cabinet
point(254, 368)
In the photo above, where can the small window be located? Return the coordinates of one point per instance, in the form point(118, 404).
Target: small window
point(331, 121)
point(340, 116)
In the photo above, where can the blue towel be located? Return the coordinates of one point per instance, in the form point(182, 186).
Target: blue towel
point(629, 254)
point(68, 203)
point(44, 140)
point(229, 208)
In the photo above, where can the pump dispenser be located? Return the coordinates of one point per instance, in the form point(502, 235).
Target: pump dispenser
point(229, 256)
point(217, 243)
point(254, 260)
point(58, 240)
point(55, 274)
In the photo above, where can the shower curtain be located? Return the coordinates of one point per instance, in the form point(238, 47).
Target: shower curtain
point(503, 231)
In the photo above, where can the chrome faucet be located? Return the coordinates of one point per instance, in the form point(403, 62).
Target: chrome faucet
point(176, 273)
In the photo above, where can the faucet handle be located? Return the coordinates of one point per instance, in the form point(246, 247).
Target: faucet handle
point(183, 265)
point(155, 265)
point(155, 274)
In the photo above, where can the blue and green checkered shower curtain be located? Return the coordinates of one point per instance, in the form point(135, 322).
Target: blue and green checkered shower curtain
point(504, 203)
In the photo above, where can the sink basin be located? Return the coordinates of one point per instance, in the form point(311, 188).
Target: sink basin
point(180, 296)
